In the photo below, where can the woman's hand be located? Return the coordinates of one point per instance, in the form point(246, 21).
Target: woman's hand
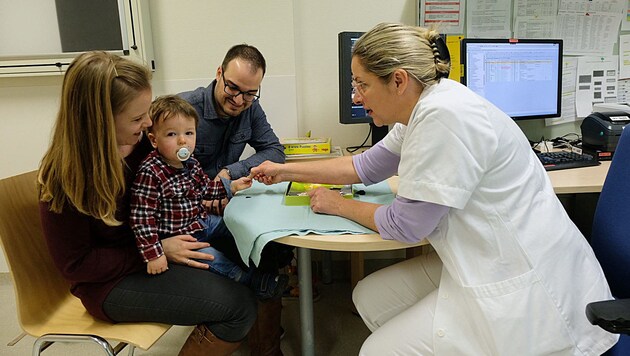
point(181, 249)
point(326, 201)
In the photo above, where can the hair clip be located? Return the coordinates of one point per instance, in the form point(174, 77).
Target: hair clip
point(114, 65)
point(440, 51)
point(443, 53)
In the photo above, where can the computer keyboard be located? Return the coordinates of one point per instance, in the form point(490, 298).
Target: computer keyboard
point(553, 161)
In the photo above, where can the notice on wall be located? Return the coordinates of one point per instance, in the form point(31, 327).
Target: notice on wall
point(596, 82)
point(489, 19)
point(447, 14)
point(569, 77)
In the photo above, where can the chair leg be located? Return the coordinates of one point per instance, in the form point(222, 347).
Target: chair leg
point(16, 340)
point(45, 341)
point(121, 345)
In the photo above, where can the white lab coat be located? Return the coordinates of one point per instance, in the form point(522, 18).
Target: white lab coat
point(517, 273)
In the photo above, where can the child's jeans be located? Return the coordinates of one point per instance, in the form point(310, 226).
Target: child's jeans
point(220, 265)
point(264, 285)
point(210, 224)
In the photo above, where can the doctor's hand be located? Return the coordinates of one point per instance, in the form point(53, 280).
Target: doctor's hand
point(268, 173)
point(326, 201)
point(181, 249)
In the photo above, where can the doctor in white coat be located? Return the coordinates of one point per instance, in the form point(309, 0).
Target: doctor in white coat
point(511, 274)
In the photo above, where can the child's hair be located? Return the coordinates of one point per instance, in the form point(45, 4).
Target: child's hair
point(168, 106)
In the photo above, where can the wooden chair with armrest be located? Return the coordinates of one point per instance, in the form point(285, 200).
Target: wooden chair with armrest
point(45, 307)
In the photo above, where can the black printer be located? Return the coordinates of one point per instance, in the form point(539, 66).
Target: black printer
point(601, 132)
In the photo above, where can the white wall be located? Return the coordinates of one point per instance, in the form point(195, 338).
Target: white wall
point(191, 38)
point(317, 24)
point(31, 37)
point(298, 39)
point(27, 110)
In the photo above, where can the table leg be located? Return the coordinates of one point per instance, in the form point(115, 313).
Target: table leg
point(306, 301)
point(357, 268)
point(326, 267)
point(413, 252)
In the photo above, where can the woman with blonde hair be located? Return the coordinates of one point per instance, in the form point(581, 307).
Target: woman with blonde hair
point(84, 186)
point(510, 274)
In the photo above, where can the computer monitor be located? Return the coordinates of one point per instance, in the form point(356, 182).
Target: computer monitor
point(521, 77)
point(349, 113)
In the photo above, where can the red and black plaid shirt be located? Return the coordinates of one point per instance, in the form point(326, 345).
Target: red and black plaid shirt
point(167, 201)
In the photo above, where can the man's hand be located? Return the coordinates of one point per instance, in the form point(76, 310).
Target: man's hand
point(223, 173)
point(215, 207)
point(181, 249)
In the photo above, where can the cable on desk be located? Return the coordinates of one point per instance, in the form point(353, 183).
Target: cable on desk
point(565, 142)
point(353, 149)
point(568, 141)
point(539, 143)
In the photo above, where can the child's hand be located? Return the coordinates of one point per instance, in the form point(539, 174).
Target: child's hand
point(157, 265)
point(240, 184)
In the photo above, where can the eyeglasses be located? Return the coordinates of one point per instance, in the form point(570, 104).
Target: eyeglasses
point(235, 91)
point(358, 87)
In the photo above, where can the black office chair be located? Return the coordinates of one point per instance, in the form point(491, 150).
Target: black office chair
point(610, 239)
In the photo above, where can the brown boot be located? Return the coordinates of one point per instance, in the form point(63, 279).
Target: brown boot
point(202, 342)
point(264, 336)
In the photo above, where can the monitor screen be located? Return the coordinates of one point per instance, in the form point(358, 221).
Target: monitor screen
point(523, 77)
point(349, 113)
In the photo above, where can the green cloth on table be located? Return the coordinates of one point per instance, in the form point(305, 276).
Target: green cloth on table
point(258, 215)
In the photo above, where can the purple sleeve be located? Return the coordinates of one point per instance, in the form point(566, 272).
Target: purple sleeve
point(408, 220)
point(376, 164)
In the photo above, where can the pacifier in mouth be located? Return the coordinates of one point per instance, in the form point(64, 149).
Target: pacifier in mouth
point(183, 153)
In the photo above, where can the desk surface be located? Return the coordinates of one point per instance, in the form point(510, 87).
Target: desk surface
point(350, 243)
point(579, 180)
